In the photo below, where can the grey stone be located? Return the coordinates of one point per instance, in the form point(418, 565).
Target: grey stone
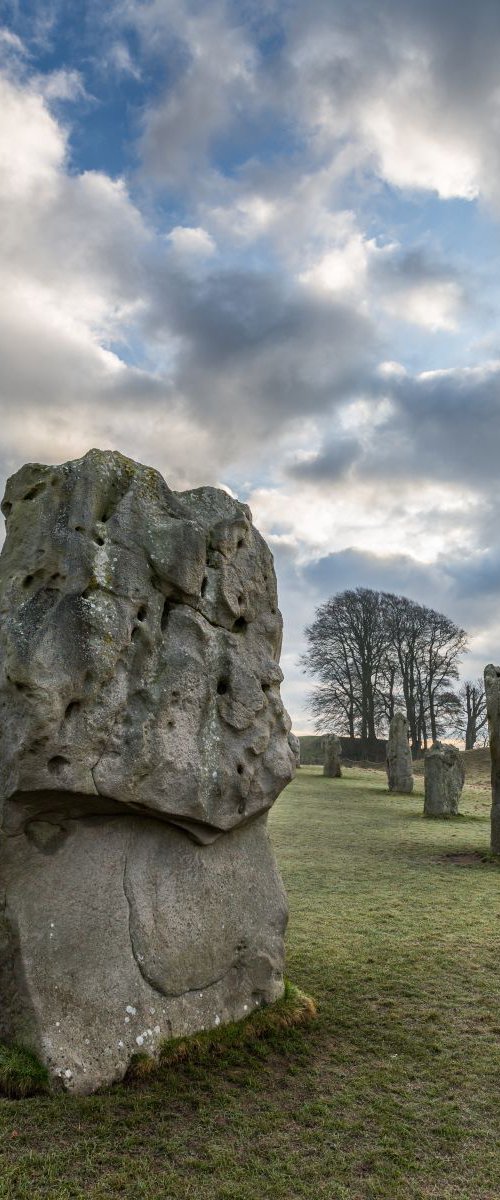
point(399, 761)
point(492, 691)
point(444, 776)
point(142, 741)
point(294, 745)
point(333, 754)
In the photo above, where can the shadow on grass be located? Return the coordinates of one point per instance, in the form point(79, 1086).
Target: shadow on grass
point(272, 1023)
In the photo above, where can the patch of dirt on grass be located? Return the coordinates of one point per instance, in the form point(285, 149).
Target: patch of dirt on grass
point(470, 858)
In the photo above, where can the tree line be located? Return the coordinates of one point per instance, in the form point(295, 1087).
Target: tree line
point(373, 653)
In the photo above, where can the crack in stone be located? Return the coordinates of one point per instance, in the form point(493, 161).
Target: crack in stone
point(202, 987)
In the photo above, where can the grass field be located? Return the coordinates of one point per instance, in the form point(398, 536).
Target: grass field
point(394, 1091)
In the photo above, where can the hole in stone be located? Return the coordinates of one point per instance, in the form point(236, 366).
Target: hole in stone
point(240, 599)
point(222, 687)
point(240, 543)
point(141, 614)
point(71, 708)
point(99, 541)
point(27, 580)
point(39, 487)
point(266, 687)
point(167, 609)
point(79, 529)
point(57, 764)
point(6, 508)
point(135, 634)
point(170, 724)
point(104, 518)
point(20, 687)
point(240, 769)
point(273, 610)
point(204, 585)
point(90, 591)
point(240, 625)
point(175, 694)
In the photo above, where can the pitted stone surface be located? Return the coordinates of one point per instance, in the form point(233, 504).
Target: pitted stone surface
point(333, 753)
point(444, 776)
point(492, 691)
point(140, 638)
point(399, 761)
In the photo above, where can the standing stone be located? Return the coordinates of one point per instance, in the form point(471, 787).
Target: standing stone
point(333, 754)
point(294, 745)
point(142, 741)
point(399, 761)
point(444, 776)
point(492, 691)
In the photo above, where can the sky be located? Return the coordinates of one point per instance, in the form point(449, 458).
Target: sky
point(255, 244)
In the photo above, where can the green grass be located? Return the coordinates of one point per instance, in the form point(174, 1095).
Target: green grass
point(294, 1008)
point(392, 1092)
point(21, 1074)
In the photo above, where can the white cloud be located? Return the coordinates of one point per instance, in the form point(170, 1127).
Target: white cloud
point(11, 42)
point(62, 85)
point(435, 304)
point(190, 242)
point(413, 150)
point(342, 269)
point(121, 60)
point(32, 145)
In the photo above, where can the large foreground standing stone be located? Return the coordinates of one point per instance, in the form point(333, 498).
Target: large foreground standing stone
point(333, 754)
point(444, 776)
point(399, 761)
point(142, 741)
point(492, 691)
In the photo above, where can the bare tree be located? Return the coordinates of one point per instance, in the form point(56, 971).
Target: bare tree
point(346, 652)
point(444, 645)
point(471, 716)
point(405, 623)
point(374, 651)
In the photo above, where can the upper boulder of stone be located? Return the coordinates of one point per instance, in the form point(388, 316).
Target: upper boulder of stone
point(140, 638)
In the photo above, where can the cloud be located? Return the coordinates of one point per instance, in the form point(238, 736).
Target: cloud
point(98, 304)
point(62, 85)
point(212, 65)
point(191, 243)
point(255, 294)
point(10, 43)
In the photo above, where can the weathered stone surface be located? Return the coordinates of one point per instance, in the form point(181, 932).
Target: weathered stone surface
point(142, 741)
point(444, 776)
point(333, 754)
point(399, 762)
point(492, 691)
point(294, 744)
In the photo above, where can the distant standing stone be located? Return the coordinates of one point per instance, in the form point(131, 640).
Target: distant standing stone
point(444, 779)
point(333, 755)
point(399, 762)
point(492, 690)
point(294, 745)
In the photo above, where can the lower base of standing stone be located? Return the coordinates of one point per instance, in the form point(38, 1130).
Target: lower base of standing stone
point(118, 931)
